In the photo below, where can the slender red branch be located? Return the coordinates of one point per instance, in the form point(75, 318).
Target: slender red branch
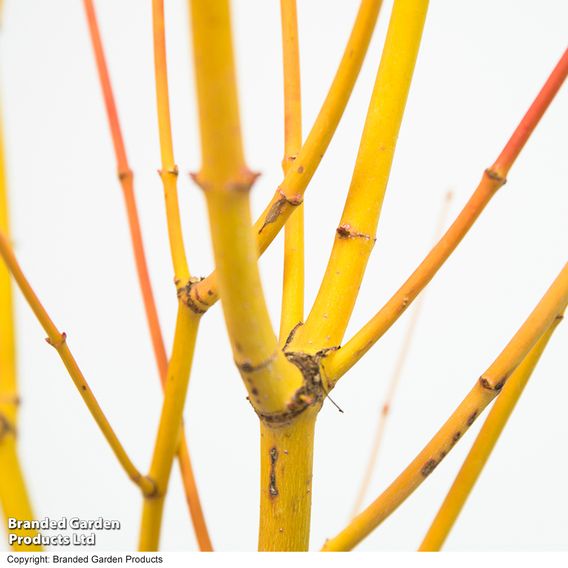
point(126, 181)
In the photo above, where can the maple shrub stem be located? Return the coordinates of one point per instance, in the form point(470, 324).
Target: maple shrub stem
point(486, 388)
point(292, 311)
point(355, 235)
point(182, 278)
point(289, 194)
point(58, 340)
point(274, 382)
point(226, 181)
point(126, 179)
point(14, 497)
point(168, 173)
point(339, 362)
point(483, 445)
point(168, 436)
point(286, 461)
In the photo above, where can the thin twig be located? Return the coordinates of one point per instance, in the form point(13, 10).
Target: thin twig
point(58, 340)
point(169, 175)
point(125, 177)
point(396, 376)
point(292, 310)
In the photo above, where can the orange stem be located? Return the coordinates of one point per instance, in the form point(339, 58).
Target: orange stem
point(338, 363)
point(126, 180)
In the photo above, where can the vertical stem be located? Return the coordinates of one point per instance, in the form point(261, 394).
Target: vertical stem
point(293, 282)
point(290, 191)
point(355, 235)
point(168, 437)
point(169, 175)
point(286, 484)
point(270, 378)
point(169, 171)
point(14, 497)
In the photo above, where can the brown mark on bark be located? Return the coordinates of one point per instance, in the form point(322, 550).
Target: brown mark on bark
point(277, 207)
point(428, 467)
point(272, 489)
point(346, 231)
point(185, 297)
point(472, 418)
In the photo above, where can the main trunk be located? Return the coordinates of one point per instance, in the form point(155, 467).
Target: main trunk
point(286, 483)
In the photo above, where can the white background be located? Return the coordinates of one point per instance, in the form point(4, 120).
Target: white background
point(480, 66)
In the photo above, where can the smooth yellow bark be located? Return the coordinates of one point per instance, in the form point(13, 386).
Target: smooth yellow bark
point(483, 446)
point(290, 192)
point(270, 378)
point(292, 311)
point(14, 497)
point(548, 309)
point(355, 236)
point(182, 277)
point(168, 437)
point(286, 461)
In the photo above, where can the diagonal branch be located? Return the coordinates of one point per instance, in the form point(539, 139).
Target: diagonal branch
point(338, 363)
point(58, 340)
point(486, 388)
point(290, 192)
point(483, 445)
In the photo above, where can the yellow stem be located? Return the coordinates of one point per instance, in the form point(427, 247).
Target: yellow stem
point(169, 171)
point(483, 446)
point(169, 175)
point(548, 309)
point(58, 340)
point(275, 384)
point(293, 282)
point(286, 460)
point(289, 195)
point(168, 437)
point(270, 378)
point(8, 381)
point(355, 236)
point(14, 497)
point(338, 363)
